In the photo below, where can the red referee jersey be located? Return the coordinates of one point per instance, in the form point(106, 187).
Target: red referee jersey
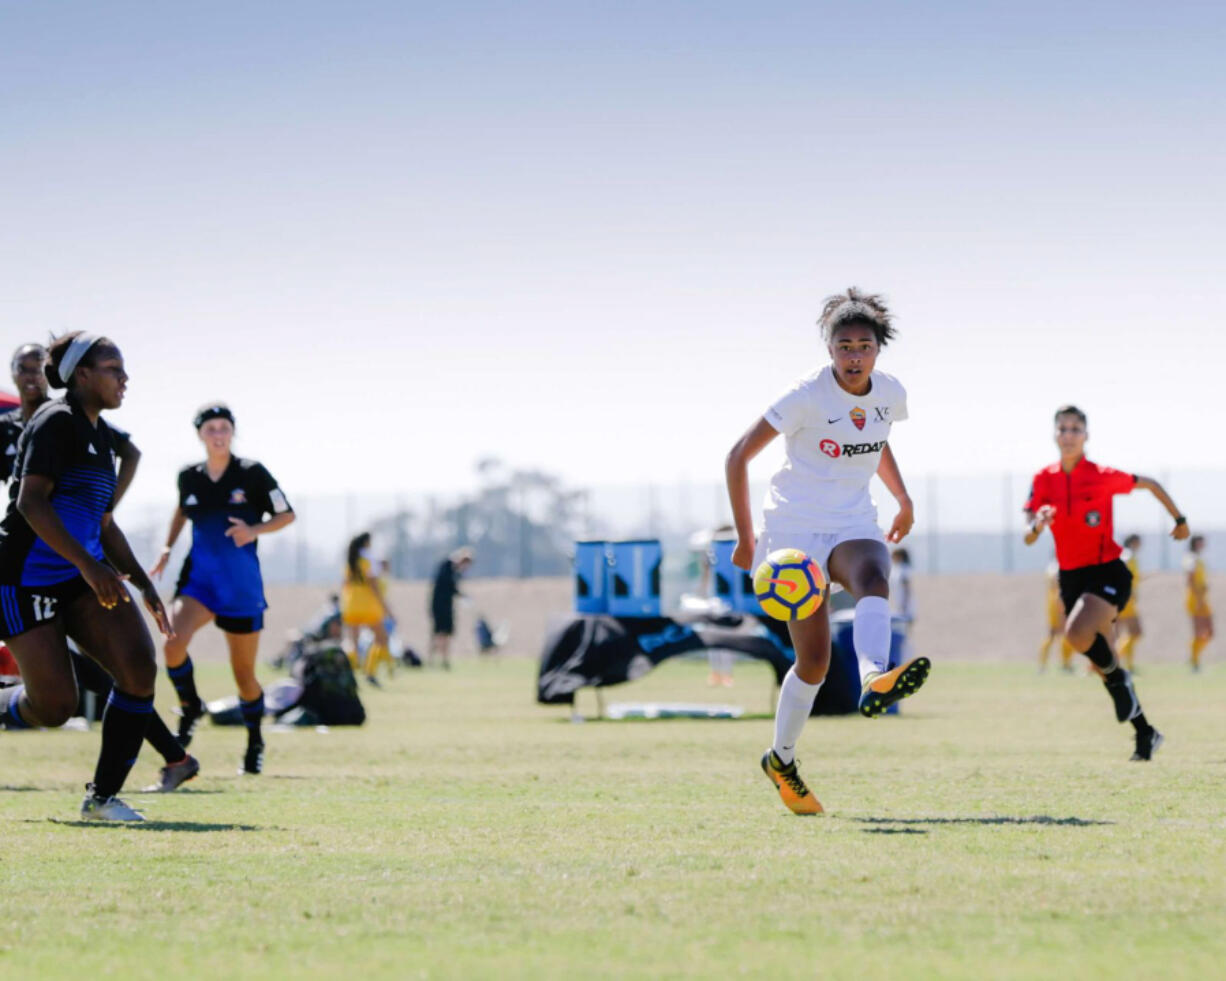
point(1082, 527)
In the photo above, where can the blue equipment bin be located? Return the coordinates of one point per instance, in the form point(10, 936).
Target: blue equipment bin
point(633, 587)
point(734, 586)
point(841, 635)
point(591, 575)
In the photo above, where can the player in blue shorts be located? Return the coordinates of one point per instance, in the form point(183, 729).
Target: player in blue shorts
point(63, 562)
point(230, 502)
point(30, 380)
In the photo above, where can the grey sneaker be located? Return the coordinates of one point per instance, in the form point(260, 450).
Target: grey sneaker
point(174, 775)
point(95, 808)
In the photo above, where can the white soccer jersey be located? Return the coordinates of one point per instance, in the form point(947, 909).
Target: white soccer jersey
point(834, 444)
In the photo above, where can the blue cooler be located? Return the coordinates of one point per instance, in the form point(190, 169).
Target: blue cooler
point(591, 573)
point(734, 586)
point(634, 578)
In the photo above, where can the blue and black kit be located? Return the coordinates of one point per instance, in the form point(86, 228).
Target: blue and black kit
point(59, 443)
point(224, 578)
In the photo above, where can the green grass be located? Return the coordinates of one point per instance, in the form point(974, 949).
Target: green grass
point(996, 829)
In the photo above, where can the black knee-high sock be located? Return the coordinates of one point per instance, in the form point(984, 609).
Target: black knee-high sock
point(163, 740)
point(91, 677)
point(184, 679)
point(253, 713)
point(1102, 656)
point(123, 729)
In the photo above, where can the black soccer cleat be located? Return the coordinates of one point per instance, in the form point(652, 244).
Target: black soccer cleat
point(189, 715)
point(1148, 743)
point(253, 759)
point(1122, 694)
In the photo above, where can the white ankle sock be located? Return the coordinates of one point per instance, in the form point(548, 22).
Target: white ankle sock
point(796, 699)
point(870, 634)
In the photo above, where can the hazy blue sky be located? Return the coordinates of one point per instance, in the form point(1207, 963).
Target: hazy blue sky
point(593, 238)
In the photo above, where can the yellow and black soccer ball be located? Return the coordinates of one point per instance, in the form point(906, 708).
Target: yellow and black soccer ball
point(789, 585)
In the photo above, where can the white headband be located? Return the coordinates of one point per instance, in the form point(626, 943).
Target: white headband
point(76, 351)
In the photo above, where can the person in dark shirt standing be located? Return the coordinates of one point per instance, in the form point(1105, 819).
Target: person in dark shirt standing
point(230, 502)
point(30, 379)
point(1074, 498)
point(63, 562)
point(442, 603)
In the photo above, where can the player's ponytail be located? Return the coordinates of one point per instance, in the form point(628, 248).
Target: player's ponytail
point(80, 355)
point(857, 308)
point(354, 556)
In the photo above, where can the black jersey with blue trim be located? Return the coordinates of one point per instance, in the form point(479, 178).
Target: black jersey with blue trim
point(59, 443)
point(245, 490)
point(12, 424)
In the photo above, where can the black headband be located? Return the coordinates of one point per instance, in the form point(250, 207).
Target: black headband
point(213, 412)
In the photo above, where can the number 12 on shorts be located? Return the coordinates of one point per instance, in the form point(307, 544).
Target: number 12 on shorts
point(44, 607)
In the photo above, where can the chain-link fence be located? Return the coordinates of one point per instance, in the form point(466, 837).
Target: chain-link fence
point(524, 527)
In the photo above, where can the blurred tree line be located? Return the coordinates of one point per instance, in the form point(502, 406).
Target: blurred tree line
point(519, 522)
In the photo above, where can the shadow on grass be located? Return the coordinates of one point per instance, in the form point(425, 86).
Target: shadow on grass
point(589, 720)
point(1065, 822)
point(153, 824)
point(10, 789)
point(896, 831)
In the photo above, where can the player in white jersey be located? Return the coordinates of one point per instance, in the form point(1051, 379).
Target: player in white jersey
point(836, 423)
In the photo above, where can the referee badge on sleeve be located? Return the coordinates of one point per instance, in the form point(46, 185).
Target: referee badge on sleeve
point(279, 504)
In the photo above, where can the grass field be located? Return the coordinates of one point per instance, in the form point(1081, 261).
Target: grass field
point(995, 830)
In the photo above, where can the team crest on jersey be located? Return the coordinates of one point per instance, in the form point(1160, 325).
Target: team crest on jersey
point(857, 417)
point(1093, 518)
point(238, 496)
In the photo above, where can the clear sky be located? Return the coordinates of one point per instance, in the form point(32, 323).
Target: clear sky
point(593, 238)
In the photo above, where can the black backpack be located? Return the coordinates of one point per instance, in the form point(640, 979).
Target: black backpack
point(329, 689)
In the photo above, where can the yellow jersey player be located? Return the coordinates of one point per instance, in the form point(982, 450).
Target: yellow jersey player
point(1197, 602)
point(363, 605)
point(1129, 623)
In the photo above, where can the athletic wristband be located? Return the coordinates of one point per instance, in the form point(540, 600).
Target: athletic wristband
point(1181, 520)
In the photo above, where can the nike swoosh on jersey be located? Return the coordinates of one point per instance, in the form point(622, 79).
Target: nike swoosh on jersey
point(835, 419)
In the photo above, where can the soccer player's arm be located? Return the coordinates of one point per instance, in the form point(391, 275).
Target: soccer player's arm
point(1037, 511)
point(129, 458)
point(891, 476)
point(177, 521)
point(1180, 531)
point(274, 504)
point(119, 553)
point(736, 475)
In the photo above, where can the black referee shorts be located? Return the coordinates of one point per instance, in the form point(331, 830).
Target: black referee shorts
point(1111, 580)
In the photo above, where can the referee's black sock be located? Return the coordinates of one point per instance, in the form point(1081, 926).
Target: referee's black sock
point(184, 679)
point(1103, 657)
point(163, 740)
point(123, 728)
point(253, 714)
point(1140, 723)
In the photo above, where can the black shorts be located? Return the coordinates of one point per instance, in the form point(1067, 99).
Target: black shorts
point(240, 625)
point(1111, 580)
point(444, 622)
point(23, 608)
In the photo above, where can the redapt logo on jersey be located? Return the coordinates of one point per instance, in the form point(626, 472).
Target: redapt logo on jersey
point(834, 450)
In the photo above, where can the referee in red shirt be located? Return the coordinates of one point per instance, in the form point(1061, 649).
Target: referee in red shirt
point(1074, 499)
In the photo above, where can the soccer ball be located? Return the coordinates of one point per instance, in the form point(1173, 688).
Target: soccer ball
point(789, 585)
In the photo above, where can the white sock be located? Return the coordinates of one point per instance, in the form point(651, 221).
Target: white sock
point(796, 699)
point(870, 634)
